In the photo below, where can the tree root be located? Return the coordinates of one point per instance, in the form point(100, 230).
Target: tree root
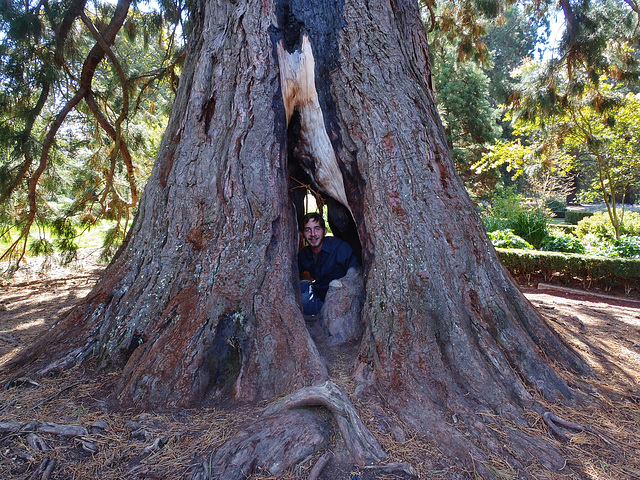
point(554, 422)
point(394, 467)
point(44, 470)
point(73, 358)
point(289, 432)
point(269, 445)
point(320, 464)
point(362, 445)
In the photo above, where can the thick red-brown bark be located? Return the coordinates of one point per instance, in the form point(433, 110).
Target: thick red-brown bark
point(202, 302)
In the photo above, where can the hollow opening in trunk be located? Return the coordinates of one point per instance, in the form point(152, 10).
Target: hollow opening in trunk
point(332, 287)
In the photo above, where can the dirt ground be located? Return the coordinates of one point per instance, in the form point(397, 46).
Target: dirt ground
point(605, 330)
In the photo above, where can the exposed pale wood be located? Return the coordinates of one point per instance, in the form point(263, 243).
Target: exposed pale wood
point(297, 80)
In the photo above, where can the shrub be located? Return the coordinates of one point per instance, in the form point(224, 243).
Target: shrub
point(507, 239)
point(573, 217)
point(626, 247)
point(599, 225)
point(509, 213)
point(562, 243)
point(563, 229)
point(503, 208)
point(531, 225)
point(631, 223)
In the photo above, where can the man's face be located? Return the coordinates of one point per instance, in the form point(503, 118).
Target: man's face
point(314, 233)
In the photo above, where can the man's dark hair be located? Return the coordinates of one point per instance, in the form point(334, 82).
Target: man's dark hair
point(312, 216)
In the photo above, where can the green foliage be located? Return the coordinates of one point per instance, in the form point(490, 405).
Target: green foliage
point(627, 246)
point(558, 207)
point(510, 40)
point(65, 233)
point(40, 247)
point(599, 226)
point(474, 46)
point(563, 229)
point(576, 115)
point(562, 243)
point(531, 225)
point(509, 211)
point(462, 91)
point(112, 239)
point(505, 205)
point(507, 239)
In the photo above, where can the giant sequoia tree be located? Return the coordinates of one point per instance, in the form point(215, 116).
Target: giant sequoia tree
point(201, 305)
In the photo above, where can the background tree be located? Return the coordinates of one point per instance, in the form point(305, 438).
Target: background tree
point(78, 134)
point(202, 303)
point(565, 106)
point(470, 121)
point(474, 50)
point(585, 135)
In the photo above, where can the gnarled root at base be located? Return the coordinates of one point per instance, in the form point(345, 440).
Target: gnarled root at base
point(291, 431)
point(362, 445)
point(269, 445)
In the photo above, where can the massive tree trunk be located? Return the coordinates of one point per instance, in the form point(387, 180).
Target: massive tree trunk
point(202, 303)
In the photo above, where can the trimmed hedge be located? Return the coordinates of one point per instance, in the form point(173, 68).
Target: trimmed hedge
point(572, 217)
point(611, 271)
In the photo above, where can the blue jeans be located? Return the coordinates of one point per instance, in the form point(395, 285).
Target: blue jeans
point(311, 304)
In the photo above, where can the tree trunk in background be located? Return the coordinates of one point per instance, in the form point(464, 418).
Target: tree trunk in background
point(202, 303)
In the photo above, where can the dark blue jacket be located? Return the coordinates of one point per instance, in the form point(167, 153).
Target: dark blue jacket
point(334, 259)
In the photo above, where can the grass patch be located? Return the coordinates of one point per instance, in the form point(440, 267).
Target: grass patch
point(89, 238)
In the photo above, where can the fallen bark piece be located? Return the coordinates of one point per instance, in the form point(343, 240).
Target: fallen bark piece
point(10, 427)
point(23, 454)
point(362, 445)
point(99, 426)
point(88, 445)
point(37, 443)
point(394, 467)
point(157, 444)
point(7, 407)
point(21, 382)
point(68, 431)
point(44, 470)
point(141, 434)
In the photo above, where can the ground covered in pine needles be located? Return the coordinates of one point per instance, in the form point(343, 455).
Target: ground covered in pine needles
point(59, 428)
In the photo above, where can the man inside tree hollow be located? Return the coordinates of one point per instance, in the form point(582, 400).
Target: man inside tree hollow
point(324, 258)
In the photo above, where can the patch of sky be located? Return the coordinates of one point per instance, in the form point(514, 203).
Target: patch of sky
point(550, 36)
